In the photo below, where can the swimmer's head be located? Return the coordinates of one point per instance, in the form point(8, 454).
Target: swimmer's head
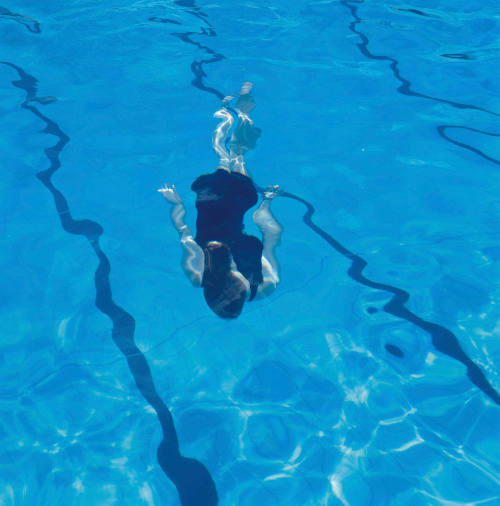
point(225, 291)
point(217, 258)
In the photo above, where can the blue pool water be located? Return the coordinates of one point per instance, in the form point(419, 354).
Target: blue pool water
point(371, 375)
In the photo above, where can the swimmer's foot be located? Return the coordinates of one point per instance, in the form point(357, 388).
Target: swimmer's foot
point(246, 88)
point(227, 100)
point(272, 191)
point(245, 104)
point(245, 101)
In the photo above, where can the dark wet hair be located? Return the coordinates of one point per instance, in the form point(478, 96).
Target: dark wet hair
point(224, 292)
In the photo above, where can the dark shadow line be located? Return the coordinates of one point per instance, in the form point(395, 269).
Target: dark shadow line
point(441, 130)
point(20, 18)
point(456, 56)
point(192, 480)
point(442, 339)
point(412, 11)
point(157, 19)
point(405, 87)
point(186, 3)
point(185, 37)
point(203, 17)
point(197, 65)
point(196, 11)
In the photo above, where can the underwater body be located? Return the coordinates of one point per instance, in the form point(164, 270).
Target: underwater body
point(370, 375)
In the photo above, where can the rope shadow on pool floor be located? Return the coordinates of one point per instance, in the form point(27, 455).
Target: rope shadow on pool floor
point(31, 24)
point(443, 339)
point(191, 478)
point(406, 86)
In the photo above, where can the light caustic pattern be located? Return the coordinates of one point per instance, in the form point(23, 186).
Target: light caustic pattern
point(356, 399)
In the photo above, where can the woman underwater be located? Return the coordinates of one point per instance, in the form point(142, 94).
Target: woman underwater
point(231, 266)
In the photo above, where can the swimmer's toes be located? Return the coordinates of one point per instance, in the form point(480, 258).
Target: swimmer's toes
point(245, 104)
point(246, 88)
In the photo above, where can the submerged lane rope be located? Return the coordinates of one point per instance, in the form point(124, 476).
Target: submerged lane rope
point(442, 339)
point(192, 480)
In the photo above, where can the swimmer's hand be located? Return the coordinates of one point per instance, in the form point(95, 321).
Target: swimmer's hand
point(271, 191)
point(170, 193)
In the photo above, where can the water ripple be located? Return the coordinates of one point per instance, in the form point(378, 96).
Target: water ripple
point(406, 86)
point(192, 480)
point(31, 24)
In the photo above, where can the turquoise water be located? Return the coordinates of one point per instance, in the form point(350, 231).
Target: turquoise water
point(336, 389)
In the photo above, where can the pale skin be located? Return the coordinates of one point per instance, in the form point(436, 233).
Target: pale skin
point(193, 258)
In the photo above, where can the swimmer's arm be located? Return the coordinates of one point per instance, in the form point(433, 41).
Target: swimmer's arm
point(193, 258)
point(271, 238)
point(270, 280)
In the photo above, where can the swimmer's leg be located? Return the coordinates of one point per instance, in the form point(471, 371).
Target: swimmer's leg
point(245, 134)
point(244, 139)
point(270, 229)
point(238, 163)
point(220, 135)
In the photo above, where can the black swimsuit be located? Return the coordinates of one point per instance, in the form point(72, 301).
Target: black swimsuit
point(222, 198)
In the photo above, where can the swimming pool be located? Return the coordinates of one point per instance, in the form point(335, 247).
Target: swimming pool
point(339, 389)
